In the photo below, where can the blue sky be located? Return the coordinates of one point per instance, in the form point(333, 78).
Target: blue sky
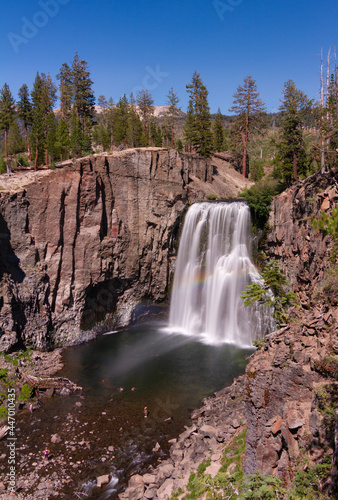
point(159, 44)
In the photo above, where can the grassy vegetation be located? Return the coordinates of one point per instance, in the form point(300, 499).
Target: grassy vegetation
point(212, 197)
point(8, 379)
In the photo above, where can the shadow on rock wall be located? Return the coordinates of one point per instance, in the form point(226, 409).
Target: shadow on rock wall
point(9, 262)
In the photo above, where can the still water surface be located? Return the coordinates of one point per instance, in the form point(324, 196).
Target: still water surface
point(170, 374)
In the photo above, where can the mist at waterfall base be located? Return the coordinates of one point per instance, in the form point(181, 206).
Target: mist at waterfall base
point(214, 266)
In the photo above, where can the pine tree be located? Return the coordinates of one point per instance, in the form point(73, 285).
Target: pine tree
point(103, 130)
point(291, 151)
point(218, 131)
point(121, 121)
point(332, 118)
point(43, 101)
point(66, 90)
point(146, 109)
point(198, 123)
point(250, 113)
point(38, 137)
point(75, 140)
point(190, 132)
point(62, 139)
point(103, 104)
point(7, 111)
point(83, 95)
point(135, 136)
point(25, 110)
point(43, 94)
point(51, 139)
point(156, 135)
point(172, 113)
point(16, 143)
point(87, 137)
point(100, 136)
point(110, 121)
point(326, 112)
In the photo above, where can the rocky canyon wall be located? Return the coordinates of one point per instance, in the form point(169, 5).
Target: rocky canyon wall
point(286, 401)
point(88, 240)
point(285, 376)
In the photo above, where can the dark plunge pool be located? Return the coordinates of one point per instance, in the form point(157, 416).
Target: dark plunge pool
point(170, 374)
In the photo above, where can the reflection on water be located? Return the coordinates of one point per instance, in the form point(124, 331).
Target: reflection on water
point(170, 374)
point(156, 364)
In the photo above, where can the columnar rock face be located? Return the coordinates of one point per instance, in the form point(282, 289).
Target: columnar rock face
point(281, 380)
point(88, 240)
point(301, 251)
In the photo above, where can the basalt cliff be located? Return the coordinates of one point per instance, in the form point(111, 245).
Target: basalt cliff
point(91, 241)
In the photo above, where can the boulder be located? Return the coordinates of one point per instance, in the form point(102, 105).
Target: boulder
point(208, 431)
point(102, 480)
point(165, 491)
point(213, 469)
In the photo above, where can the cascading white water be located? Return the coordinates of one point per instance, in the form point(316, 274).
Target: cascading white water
point(213, 268)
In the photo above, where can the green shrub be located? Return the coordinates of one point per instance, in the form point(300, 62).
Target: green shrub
point(273, 281)
point(327, 224)
point(327, 404)
point(262, 487)
point(3, 412)
point(328, 366)
point(3, 168)
point(259, 198)
point(26, 392)
point(306, 484)
point(212, 197)
point(256, 170)
point(179, 145)
point(22, 161)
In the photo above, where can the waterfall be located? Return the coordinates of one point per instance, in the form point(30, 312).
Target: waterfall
point(213, 268)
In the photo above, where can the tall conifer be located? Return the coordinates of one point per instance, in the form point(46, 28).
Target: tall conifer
point(291, 150)
point(43, 101)
point(146, 109)
point(83, 95)
point(7, 111)
point(198, 124)
point(172, 113)
point(66, 90)
point(25, 110)
point(250, 112)
point(218, 131)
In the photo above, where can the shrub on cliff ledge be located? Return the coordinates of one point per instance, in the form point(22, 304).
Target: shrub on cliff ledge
point(273, 281)
point(328, 224)
point(259, 198)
